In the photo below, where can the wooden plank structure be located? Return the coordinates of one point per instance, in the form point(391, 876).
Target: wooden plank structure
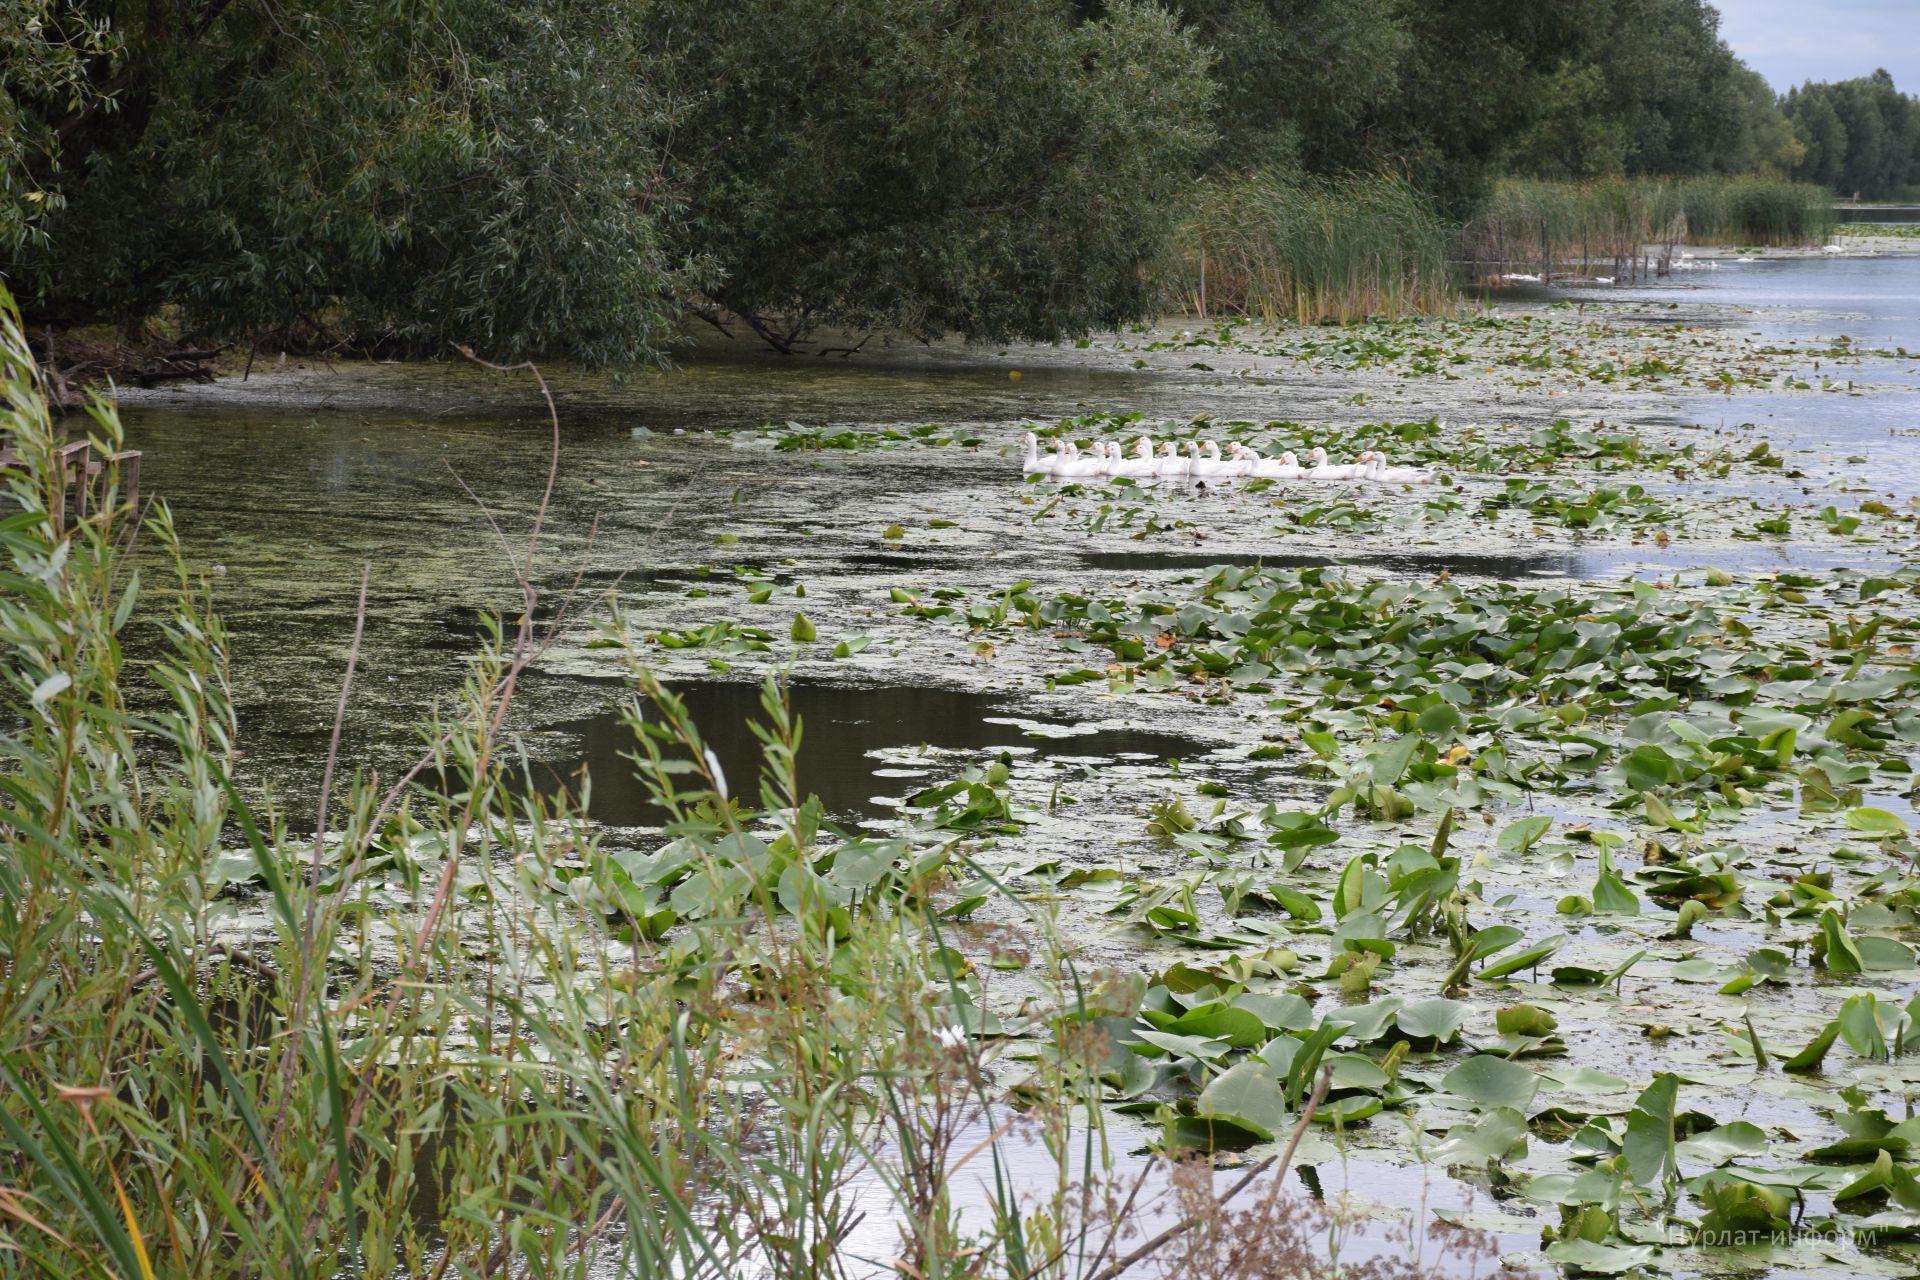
point(86, 478)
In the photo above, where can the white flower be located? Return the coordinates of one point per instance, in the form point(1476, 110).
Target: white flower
point(950, 1037)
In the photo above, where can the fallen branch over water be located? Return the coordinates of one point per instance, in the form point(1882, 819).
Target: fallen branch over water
point(74, 366)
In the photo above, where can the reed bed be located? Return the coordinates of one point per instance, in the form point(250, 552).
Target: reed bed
point(1635, 227)
point(441, 1032)
point(1277, 246)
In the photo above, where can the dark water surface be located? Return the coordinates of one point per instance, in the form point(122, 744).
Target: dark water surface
point(841, 729)
point(1901, 214)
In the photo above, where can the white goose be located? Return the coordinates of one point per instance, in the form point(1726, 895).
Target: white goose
point(1284, 467)
point(1321, 469)
point(1031, 463)
point(1140, 466)
point(1379, 472)
point(1069, 465)
point(1170, 465)
point(1205, 463)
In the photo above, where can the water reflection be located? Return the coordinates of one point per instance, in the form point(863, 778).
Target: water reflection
point(1874, 301)
point(1389, 1208)
point(843, 729)
point(1880, 428)
point(1468, 564)
point(1897, 214)
point(1583, 564)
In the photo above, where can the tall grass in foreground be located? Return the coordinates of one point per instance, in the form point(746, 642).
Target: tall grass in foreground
point(1637, 224)
point(1281, 247)
point(452, 1033)
point(443, 1034)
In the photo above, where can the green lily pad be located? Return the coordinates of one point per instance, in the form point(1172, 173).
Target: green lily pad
point(1437, 1019)
point(1246, 1095)
point(1490, 1081)
point(1600, 1259)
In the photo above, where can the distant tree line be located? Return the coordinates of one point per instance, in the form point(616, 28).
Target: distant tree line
point(1861, 137)
point(586, 177)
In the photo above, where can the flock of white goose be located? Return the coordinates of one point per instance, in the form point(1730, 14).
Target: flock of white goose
point(1201, 460)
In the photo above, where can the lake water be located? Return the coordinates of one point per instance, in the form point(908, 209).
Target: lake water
point(1869, 424)
point(283, 486)
point(1879, 213)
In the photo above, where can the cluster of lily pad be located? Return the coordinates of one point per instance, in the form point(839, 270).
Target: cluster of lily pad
point(1879, 230)
point(1602, 896)
point(1674, 731)
point(1627, 347)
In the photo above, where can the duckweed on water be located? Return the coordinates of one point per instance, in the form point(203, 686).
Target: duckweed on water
point(1595, 896)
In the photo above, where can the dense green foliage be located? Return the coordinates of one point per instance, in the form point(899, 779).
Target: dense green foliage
point(1297, 77)
point(558, 177)
point(415, 173)
point(582, 178)
point(1453, 93)
point(1650, 89)
point(46, 48)
point(995, 167)
point(1862, 136)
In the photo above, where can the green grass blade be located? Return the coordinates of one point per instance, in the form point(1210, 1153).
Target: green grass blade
point(68, 1174)
point(190, 1009)
point(337, 1115)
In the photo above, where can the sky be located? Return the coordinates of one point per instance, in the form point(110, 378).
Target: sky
point(1791, 41)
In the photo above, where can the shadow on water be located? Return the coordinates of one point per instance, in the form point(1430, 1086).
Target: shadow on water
point(1581, 565)
point(842, 729)
point(884, 561)
point(1470, 564)
point(1898, 214)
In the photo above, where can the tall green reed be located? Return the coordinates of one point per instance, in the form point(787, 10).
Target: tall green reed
point(1279, 246)
point(452, 1032)
point(1635, 225)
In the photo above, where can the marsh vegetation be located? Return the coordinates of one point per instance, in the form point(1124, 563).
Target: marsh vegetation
point(1534, 877)
point(694, 808)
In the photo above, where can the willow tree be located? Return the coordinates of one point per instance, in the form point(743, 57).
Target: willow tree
point(569, 178)
point(56, 61)
point(383, 173)
point(997, 168)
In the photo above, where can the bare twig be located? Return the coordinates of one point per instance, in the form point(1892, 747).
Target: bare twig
point(238, 958)
point(297, 1014)
point(501, 698)
point(845, 352)
point(713, 318)
point(1192, 1220)
point(333, 739)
